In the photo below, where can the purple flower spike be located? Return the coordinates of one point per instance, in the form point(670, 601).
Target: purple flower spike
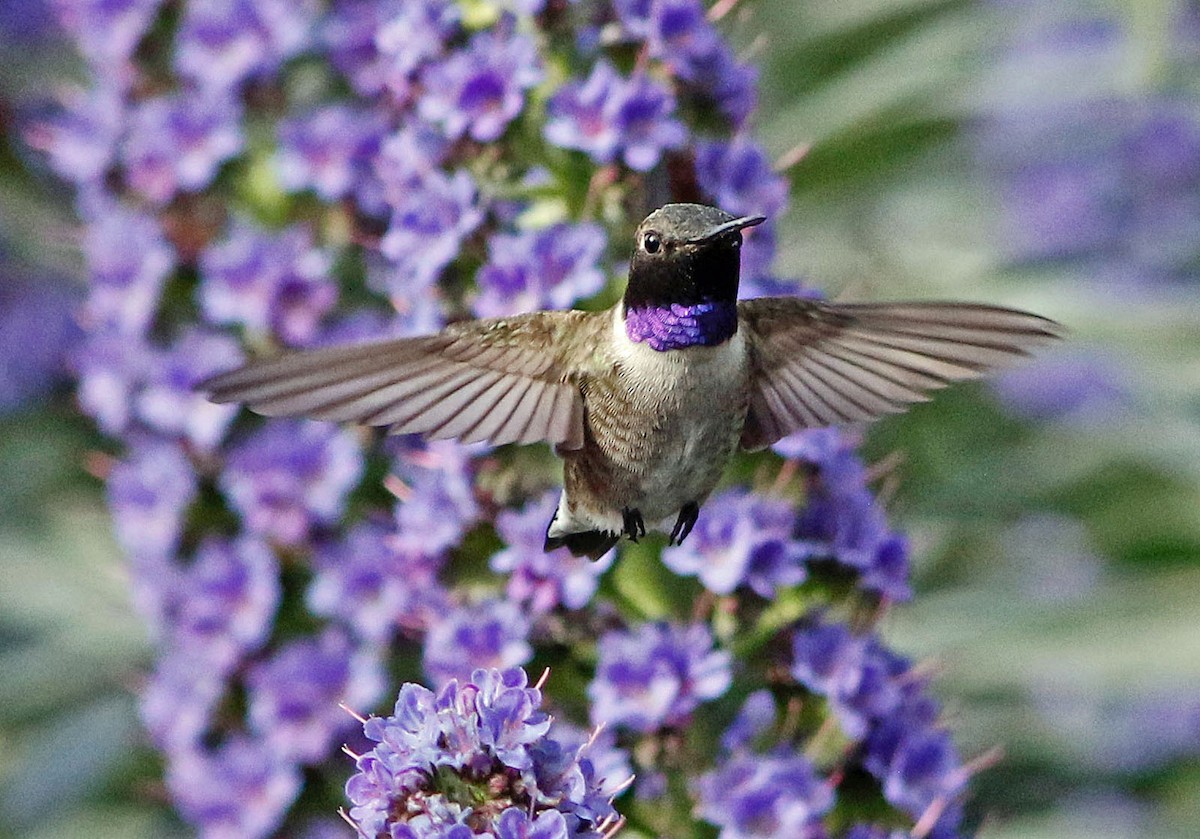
point(656, 675)
point(428, 226)
point(80, 141)
point(221, 606)
point(438, 502)
point(544, 269)
point(222, 43)
point(148, 493)
point(177, 143)
point(290, 476)
point(294, 696)
point(240, 789)
point(543, 581)
point(110, 370)
point(479, 90)
point(607, 115)
point(375, 587)
point(481, 749)
point(169, 402)
point(107, 31)
point(267, 282)
point(128, 261)
point(328, 150)
point(743, 539)
point(413, 35)
point(490, 634)
point(764, 797)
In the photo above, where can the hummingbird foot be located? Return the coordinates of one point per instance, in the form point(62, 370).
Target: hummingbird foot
point(688, 514)
point(635, 528)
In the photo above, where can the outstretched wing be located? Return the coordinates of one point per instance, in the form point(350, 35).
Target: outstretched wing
point(503, 380)
point(817, 363)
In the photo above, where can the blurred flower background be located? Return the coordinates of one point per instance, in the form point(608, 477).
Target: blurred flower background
point(275, 173)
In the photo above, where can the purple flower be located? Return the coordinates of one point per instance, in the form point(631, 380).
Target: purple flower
point(107, 31)
point(128, 260)
point(742, 539)
point(544, 269)
point(482, 748)
point(179, 700)
point(924, 768)
point(169, 402)
point(776, 796)
point(609, 766)
point(267, 282)
point(480, 89)
point(428, 225)
point(656, 675)
point(149, 491)
point(290, 476)
point(437, 503)
point(737, 177)
point(328, 150)
point(493, 633)
point(542, 581)
point(367, 581)
point(346, 35)
point(756, 716)
point(220, 607)
point(80, 140)
point(177, 143)
point(222, 43)
point(110, 369)
point(241, 788)
point(607, 115)
point(294, 696)
point(414, 34)
point(1069, 387)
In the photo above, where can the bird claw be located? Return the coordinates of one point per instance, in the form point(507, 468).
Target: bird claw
point(635, 528)
point(688, 514)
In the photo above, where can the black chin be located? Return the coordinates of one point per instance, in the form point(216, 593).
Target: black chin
point(709, 275)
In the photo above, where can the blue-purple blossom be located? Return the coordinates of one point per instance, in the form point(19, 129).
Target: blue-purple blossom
point(328, 150)
point(290, 476)
point(538, 580)
point(775, 796)
point(128, 262)
point(542, 269)
point(294, 695)
point(373, 585)
point(37, 334)
point(178, 701)
point(275, 283)
point(754, 718)
point(415, 33)
point(149, 491)
point(219, 608)
point(107, 31)
point(857, 675)
point(435, 482)
point(608, 116)
point(168, 401)
point(479, 750)
point(110, 369)
point(736, 175)
point(491, 634)
point(238, 789)
point(742, 539)
point(1081, 389)
point(656, 675)
point(80, 139)
point(479, 90)
point(177, 143)
point(347, 34)
point(429, 222)
point(223, 43)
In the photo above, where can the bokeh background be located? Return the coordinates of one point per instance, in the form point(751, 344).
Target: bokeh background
point(1027, 152)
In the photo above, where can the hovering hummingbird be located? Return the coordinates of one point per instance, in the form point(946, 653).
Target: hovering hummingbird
point(646, 402)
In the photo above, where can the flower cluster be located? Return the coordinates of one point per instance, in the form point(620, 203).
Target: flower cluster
point(257, 175)
point(482, 755)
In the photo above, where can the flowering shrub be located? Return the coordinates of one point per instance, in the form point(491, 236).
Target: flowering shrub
point(260, 174)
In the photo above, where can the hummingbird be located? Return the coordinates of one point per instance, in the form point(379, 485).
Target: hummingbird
point(647, 402)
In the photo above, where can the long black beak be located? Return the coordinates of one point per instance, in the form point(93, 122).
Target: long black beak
point(728, 227)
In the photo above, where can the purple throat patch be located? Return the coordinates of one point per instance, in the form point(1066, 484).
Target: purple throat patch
point(677, 327)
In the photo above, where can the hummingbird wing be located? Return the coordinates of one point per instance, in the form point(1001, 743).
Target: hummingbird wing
point(818, 363)
point(503, 380)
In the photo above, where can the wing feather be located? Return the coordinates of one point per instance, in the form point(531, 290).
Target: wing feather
point(502, 380)
point(817, 363)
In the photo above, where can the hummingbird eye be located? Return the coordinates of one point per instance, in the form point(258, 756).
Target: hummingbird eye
point(651, 242)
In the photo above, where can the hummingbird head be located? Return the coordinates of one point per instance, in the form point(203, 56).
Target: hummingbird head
point(686, 254)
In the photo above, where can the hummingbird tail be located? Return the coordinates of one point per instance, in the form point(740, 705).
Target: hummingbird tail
point(590, 543)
